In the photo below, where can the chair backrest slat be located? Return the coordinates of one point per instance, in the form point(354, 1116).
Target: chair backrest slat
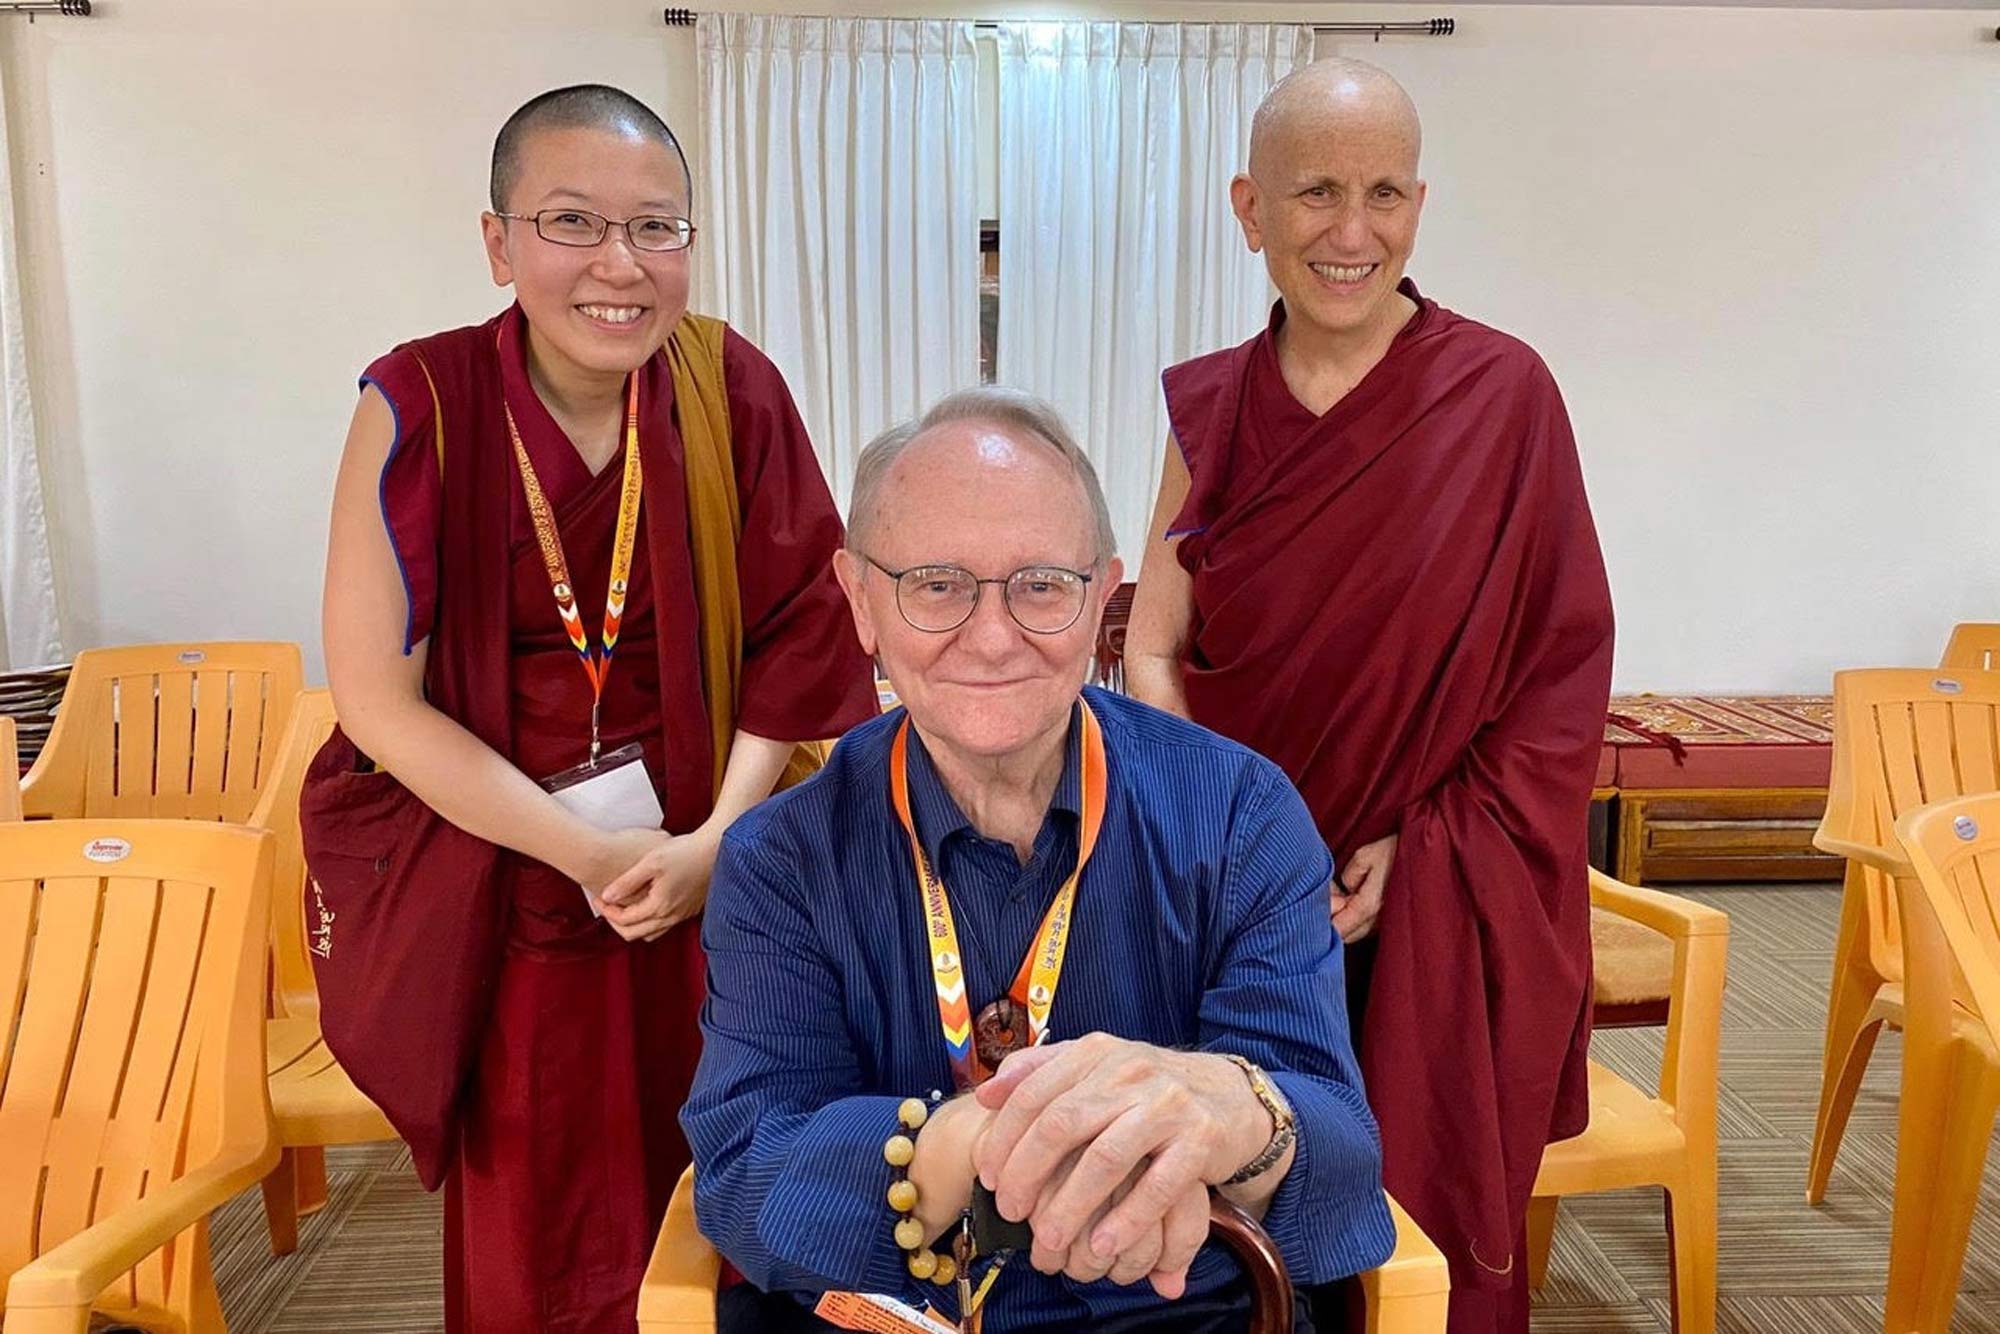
point(256, 721)
point(211, 744)
point(1901, 775)
point(173, 746)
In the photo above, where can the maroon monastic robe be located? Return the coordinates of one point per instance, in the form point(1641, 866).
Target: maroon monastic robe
point(1403, 603)
point(567, 1141)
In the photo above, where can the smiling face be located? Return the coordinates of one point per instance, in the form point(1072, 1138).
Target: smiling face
point(1332, 197)
point(971, 494)
point(603, 309)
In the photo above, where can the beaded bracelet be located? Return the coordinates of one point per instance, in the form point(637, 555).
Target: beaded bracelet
point(899, 1150)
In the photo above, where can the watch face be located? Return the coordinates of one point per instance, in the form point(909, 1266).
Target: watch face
point(1281, 1107)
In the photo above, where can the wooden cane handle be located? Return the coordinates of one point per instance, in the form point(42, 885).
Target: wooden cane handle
point(1270, 1284)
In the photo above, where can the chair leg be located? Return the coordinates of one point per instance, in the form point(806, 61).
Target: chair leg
point(197, 1302)
point(1691, 1243)
point(311, 1178)
point(1850, 1035)
point(1541, 1236)
point(1950, 1093)
point(281, 1204)
point(1840, 1084)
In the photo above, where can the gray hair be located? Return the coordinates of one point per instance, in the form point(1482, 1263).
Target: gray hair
point(1016, 411)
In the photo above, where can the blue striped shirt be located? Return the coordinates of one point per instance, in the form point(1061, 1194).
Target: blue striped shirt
point(1201, 922)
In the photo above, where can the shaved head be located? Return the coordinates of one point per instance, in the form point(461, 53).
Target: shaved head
point(1332, 97)
point(1332, 198)
point(583, 106)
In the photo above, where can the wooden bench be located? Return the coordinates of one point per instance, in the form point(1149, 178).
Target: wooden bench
point(1715, 788)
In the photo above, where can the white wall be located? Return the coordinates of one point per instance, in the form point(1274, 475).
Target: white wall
point(1755, 245)
point(230, 207)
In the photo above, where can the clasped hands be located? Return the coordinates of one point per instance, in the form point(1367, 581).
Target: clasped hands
point(1106, 1147)
point(647, 881)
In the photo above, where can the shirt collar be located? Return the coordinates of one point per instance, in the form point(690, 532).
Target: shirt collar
point(937, 816)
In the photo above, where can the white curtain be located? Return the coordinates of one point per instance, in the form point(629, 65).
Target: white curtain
point(29, 631)
point(838, 202)
point(1118, 253)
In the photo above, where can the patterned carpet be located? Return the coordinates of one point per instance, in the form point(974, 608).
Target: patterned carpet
point(369, 1262)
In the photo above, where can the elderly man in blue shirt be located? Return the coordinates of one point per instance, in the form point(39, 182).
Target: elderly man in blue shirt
point(1127, 910)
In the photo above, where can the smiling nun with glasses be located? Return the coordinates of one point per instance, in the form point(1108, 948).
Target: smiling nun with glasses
point(579, 609)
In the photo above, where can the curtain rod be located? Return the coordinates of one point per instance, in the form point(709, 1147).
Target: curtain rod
point(683, 18)
point(74, 9)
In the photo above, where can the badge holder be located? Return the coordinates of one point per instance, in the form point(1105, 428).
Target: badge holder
point(612, 791)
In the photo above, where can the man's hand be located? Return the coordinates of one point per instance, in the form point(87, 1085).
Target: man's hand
point(666, 885)
point(942, 1171)
point(1181, 1231)
point(1362, 880)
point(1161, 1125)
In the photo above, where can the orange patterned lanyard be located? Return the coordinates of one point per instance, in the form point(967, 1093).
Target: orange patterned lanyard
point(1034, 989)
point(596, 666)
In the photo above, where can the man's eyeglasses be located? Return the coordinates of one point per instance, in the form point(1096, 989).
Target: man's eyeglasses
point(1042, 599)
point(580, 227)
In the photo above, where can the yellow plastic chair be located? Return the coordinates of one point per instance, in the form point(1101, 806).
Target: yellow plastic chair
point(1951, 1071)
point(1902, 737)
point(1974, 647)
point(313, 1102)
point(1411, 1290)
point(1407, 1295)
point(10, 772)
point(165, 731)
point(132, 965)
point(1635, 1139)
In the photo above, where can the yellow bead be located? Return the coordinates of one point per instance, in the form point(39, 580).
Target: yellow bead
point(899, 1150)
point(947, 1270)
point(922, 1264)
point(909, 1234)
point(903, 1196)
point(913, 1113)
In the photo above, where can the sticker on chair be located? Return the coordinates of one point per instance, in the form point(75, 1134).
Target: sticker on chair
point(105, 850)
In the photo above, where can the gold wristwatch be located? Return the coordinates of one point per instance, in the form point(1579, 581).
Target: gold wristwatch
point(1284, 1126)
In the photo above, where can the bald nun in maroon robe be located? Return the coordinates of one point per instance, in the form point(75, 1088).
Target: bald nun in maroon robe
point(1373, 561)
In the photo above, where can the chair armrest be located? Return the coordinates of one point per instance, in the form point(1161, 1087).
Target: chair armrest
point(1688, 1061)
point(1414, 1272)
point(1670, 915)
point(1890, 861)
point(52, 789)
point(677, 1294)
point(55, 1291)
point(45, 792)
